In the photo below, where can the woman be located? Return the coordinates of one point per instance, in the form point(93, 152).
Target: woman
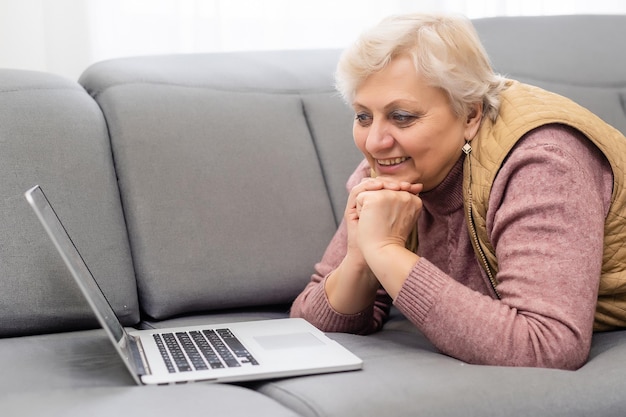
point(489, 212)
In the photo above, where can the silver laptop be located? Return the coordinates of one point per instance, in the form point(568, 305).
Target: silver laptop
point(219, 353)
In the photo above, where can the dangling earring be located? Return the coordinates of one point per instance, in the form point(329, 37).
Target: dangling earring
point(467, 148)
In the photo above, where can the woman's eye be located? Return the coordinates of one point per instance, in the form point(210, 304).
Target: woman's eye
point(402, 118)
point(363, 119)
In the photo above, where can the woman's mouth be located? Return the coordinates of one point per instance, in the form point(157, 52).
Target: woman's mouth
point(392, 161)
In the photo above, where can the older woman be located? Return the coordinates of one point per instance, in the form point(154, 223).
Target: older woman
point(515, 196)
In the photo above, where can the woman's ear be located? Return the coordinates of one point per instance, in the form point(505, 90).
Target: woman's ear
point(474, 118)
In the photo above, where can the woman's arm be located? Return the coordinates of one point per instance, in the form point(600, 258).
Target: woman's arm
point(343, 295)
point(314, 305)
point(546, 221)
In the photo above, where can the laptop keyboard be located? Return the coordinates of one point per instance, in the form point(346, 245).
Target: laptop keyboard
point(199, 350)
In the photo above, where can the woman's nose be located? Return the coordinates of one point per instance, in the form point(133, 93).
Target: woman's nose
point(378, 138)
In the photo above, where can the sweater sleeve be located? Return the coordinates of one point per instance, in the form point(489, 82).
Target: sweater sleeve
point(546, 221)
point(312, 304)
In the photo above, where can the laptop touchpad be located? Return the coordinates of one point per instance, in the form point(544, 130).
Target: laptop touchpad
point(288, 341)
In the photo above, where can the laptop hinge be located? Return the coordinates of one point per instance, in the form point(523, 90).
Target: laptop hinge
point(138, 356)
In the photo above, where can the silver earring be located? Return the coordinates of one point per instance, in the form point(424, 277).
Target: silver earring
point(467, 148)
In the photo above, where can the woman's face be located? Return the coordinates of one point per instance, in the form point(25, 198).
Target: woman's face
point(407, 129)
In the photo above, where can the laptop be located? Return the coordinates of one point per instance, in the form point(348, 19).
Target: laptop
point(231, 352)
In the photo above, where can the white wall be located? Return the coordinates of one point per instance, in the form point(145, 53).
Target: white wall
point(45, 35)
point(65, 36)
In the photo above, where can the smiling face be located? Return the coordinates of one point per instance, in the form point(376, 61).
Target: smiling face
point(407, 129)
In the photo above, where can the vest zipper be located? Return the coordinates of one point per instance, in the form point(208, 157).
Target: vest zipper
point(477, 248)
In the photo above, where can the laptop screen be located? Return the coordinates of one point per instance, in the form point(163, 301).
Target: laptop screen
point(75, 262)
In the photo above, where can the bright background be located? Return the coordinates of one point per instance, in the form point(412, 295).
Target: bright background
point(66, 36)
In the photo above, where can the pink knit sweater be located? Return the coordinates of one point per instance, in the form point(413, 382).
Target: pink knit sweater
point(546, 221)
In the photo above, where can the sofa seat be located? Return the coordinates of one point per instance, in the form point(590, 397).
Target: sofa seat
point(222, 400)
point(403, 372)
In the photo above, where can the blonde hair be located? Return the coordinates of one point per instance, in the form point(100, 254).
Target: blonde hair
point(445, 49)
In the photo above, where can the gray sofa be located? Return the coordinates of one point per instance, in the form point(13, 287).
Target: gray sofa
point(203, 188)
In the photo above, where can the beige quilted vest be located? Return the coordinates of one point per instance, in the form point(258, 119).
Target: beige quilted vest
point(524, 108)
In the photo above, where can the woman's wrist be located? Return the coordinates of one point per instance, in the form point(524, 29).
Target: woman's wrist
point(391, 264)
point(352, 287)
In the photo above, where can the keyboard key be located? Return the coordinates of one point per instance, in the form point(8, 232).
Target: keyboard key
point(176, 352)
point(191, 351)
point(208, 349)
point(221, 349)
point(164, 354)
point(236, 346)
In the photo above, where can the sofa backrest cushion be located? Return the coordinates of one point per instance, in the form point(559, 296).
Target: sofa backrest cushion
point(218, 165)
point(580, 57)
point(53, 134)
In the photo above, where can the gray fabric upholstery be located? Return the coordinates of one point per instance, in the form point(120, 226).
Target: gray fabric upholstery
point(266, 71)
point(330, 121)
point(576, 56)
point(61, 361)
point(223, 400)
point(404, 375)
point(54, 135)
point(224, 196)
point(79, 374)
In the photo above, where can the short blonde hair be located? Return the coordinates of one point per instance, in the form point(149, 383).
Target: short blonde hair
point(445, 49)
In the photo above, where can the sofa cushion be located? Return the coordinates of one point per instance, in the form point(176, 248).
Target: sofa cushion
point(330, 120)
point(66, 360)
point(575, 56)
point(404, 375)
point(80, 374)
point(222, 400)
point(53, 134)
point(225, 199)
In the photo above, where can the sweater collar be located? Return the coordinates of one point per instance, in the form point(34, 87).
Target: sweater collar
point(447, 197)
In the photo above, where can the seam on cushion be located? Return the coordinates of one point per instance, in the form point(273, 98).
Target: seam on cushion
point(20, 90)
point(533, 78)
point(302, 400)
point(96, 92)
point(319, 160)
point(120, 196)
